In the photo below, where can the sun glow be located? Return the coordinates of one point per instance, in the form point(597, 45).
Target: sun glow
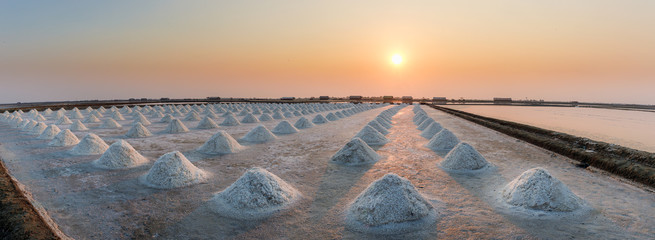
point(397, 59)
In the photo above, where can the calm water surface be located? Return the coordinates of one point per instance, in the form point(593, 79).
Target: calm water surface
point(632, 129)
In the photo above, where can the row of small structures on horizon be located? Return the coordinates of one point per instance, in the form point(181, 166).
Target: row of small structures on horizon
point(327, 99)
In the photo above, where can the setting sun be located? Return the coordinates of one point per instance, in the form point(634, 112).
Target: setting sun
point(397, 59)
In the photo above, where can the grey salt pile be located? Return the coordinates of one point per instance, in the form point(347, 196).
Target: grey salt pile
point(390, 205)
point(120, 155)
point(463, 158)
point(444, 140)
point(259, 134)
point(284, 127)
point(355, 152)
point(173, 170)
point(90, 144)
point(536, 189)
point(220, 143)
point(256, 194)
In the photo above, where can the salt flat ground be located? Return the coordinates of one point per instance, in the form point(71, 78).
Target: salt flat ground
point(90, 203)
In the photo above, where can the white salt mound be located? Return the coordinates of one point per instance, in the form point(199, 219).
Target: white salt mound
point(265, 117)
point(259, 134)
point(173, 170)
point(378, 127)
point(90, 144)
point(464, 157)
point(139, 118)
point(64, 120)
point(64, 138)
point(390, 205)
point(444, 140)
point(284, 127)
point(230, 120)
point(120, 155)
point(110, 123)
point(425, 124)
point(167, 118)
point(256, 194)
point(355, 152)
point(138, 131)
point(78, 126)
point(249, 118)
point(38, 128)
point(303, 123)
point(220, 143)
point(319, 119)
point(49, 133)
point(536, 189)
point(91, 119)
point(176, 126)
point(431, 130)
point(371, 136)
point(207, 123)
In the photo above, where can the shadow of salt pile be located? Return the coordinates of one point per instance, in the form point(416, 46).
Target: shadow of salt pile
point(488, 186)
point(335, 184)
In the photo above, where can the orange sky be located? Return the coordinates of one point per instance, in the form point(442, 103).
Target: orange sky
point(601, 51)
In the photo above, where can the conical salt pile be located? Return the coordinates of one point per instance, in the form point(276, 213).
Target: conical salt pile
point(537, 189)
point(464, 157)
point(117, 116)
point(384, 122)
point(38, 128)
point(425, 124)
point(91, 119)
point(29, 125)
point(138, 131)
point(120, 155)
point(78, 126)
point(230, 120)
point(139, 118)
point(378, 127)
point(331, 117)
point(167, 118)
point(355, 152)
point(176, 126)
point(303, 123)
point(220, 143)
point(278, 115)
point(49, 133)
point(444, 140)
point(64, 138)
point(249, 118)
point(90, 144)
point(431, 130)
point(256, 194)
point(110, 123)
point(207, 123)
point(173, 170)
point(265, 117)
point(192, 116)
point(63, 121)
point(284, 127)
point(371, 136)
point(390, 205)
point(319, 119)
point(259, 134)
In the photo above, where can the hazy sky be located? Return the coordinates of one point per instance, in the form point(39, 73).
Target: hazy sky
point(587, 50)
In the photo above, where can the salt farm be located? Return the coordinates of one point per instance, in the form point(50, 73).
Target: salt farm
point(288, 171)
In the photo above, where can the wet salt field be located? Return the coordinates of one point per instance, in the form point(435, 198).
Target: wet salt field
point(633, 129)
point(88, 202)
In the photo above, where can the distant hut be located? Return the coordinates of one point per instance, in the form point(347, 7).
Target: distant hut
point(408, 99)
point(439, 100)
point(500, 100)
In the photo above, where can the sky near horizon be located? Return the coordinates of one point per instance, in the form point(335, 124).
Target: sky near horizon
point(584, 50)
